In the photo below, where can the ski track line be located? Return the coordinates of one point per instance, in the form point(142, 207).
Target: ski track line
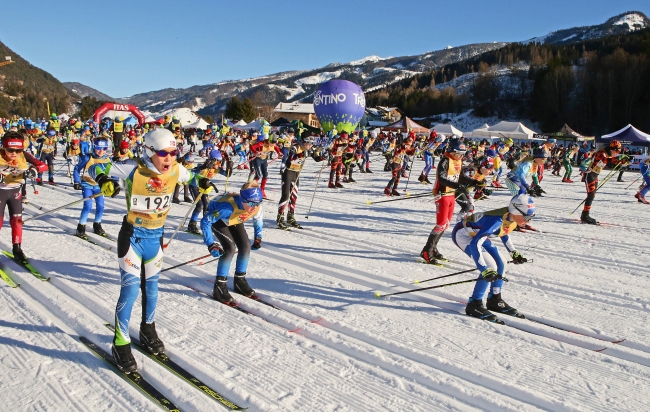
point(71, 326)
point(585, 332)
point(379, 390)
point(367, 275)
point(467, 374)
point(577, 291)
point(531, 283)
point(32, 321)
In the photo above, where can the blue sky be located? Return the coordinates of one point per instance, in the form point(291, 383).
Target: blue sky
point(122, 48)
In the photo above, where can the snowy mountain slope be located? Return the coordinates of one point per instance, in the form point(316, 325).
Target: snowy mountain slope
point(409, 352)
point(619, 24)
point(83, 91)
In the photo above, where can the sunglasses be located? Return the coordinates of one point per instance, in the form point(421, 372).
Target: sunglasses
point(8, 150)
point(165, 153)
point(254, 204)
point(526, 217)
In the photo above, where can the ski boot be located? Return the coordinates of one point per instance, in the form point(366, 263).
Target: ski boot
point(97, 228)
point(331, 185)
point(25, 200)
point(585, 218)
point(291, 220)
point(345, 180)
point(340, 186)
point(476, 309)
point(188, 199)
point(368, 170)
point(19, 256)
point(176, 200)
point(362, 170)
point(51, 181)
point(81, 231)
point(279, 221)
point(39, 181)
point(351, 180)
point(387, 191)
point(220, 291)
point(421, 178)
point(124, 359)
point(149, 338)
point(241, 285)
point(426, 180)
point(641, 199)
point(192, 227)
point(394, 193)
point(496, 183)
point(498, 305)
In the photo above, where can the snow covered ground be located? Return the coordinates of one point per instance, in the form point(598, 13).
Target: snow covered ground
point(334, 346)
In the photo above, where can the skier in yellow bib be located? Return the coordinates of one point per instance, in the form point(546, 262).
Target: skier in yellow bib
point(150, 184)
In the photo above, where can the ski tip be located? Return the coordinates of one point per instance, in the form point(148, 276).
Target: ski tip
point(416, 281)
point(368, 202)
point(377, 295)
point(408, 194)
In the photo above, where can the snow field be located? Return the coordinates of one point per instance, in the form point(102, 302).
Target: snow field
point(412, 352)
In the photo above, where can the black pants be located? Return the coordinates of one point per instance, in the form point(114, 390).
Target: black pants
point(591, 181)
point(202, 205)
point(232, 238)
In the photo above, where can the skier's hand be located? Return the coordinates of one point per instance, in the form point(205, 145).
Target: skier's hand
point(490, 275)
point(215, 250)
point(109, 187)
point(31, 173)
point(530, 191)
point(206, 186)
point(257, 243)
point(518, 258)
point(77, 186)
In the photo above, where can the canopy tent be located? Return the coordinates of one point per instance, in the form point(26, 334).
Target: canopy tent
point(566, 133)
point(149, 119)
point(629, 135)
point(199, 124)
point(447, 130)
point(280, 121)
point(255, 125)
point(406, 124)
point(513, 130)
point(237, 124)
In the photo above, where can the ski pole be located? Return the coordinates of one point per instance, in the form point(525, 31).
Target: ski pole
point(185, 263)
point(605, 180)
point(34, 186)
point(409, 176)
point(315, 187)
point(423, 225)
point(198, 198)
point(401, 198)
point(635, 180)
point(445, 276)
point(378, 295)
point(64, 206)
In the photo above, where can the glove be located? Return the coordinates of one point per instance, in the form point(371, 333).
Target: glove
point(31, 173)
point(518, 258)
point(490, 275)
point(108, 186)
point(530, 191)
point(206, 186)
point(215, 250)
point(77, 186)
point(257, 243)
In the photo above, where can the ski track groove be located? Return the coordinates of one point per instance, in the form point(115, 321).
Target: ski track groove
point(379, 390)
point(338, 200)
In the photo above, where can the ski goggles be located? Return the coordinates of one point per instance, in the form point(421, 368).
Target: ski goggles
point(164, 153)
point(254, 204)
point(527, 218)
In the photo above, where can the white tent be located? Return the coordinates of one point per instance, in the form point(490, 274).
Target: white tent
point(238, 124)
point(149, 119)
point(199, 124)
point(513, 130)
point(447, 130)
point(255, 125)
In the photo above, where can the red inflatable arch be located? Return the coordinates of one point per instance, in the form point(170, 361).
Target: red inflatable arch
point(99, 113)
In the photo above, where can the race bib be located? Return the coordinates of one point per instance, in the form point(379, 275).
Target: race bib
point(151, 203)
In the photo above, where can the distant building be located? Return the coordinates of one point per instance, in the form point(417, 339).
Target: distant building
point(298, 111)
point(379, 114)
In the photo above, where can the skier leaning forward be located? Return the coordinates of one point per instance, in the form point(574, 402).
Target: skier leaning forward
point(472, 236)
point(150, 184)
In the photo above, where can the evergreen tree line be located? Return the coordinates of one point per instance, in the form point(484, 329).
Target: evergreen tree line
point(595, 86)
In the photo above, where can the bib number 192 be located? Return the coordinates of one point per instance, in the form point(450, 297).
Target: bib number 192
point(150, 202)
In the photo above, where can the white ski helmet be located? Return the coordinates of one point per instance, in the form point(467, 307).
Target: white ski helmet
point(522, 205)
point(158, 139)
